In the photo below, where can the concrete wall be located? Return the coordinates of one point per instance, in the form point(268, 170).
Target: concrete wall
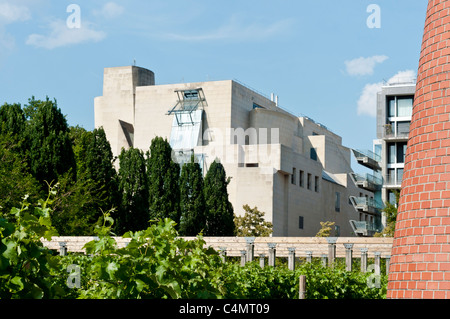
point(260, 169)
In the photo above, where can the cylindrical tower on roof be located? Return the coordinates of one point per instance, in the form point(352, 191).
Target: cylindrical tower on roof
point(420, 258)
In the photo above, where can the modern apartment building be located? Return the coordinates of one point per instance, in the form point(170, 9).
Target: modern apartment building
point(394, 110)
point(292, 168)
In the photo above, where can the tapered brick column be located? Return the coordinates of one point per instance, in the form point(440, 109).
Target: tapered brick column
point(420, 262)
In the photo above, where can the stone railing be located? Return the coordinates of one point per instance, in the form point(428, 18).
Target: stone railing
point(327, 248)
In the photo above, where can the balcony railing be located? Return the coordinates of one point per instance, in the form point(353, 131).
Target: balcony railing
point(393, 180)
point(365, 204)
point(362, 228)
point(367, 181)
point(368, 158)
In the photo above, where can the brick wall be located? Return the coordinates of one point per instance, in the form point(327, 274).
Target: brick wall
point(420, 263)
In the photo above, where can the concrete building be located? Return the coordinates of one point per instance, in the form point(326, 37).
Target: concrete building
point(394, 110)
point(292, 168)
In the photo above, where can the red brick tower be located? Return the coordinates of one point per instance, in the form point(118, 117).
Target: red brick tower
point(420, 258)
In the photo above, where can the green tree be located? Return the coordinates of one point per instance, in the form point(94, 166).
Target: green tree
point(326, 229)
point(79, 203)
point(50, 147)
point(192, 200)
point(219, 210)
point(95, 162)
point(133, 212)
point(252, 224)
point(15, 178)
point(12, 121)
point(390, 211)
point(163, 176)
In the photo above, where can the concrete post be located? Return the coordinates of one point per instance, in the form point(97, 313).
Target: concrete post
point(291, 258)
point(261, 260)
point(243, 257)
point(302, 287)
point(250, 248)
point(309, 256)
point(223, 253)
point(377, 262)
point(62, 248)
point(364, 259)
point(348, 256)
point(388, 262)
point(324, 260)
point(331, 250)
point(272, 254)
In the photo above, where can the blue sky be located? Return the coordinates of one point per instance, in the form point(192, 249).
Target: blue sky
point(320, 57)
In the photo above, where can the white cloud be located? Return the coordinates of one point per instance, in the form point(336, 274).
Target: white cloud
point(364, 66)
point(10, 13)
point(110, 10)
point(367, 103)
point(61, 35)
point(403, 77)
point(237, 30)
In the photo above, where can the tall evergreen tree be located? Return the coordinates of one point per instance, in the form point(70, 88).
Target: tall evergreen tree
point(79, 203)
point(12, 124)
point(133, 186)
point(192, 200)
point(163, 174)
point(220, 214)
point(50, 148)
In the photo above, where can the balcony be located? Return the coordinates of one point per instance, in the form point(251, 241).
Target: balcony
point(397, 131)
point(363, 229)
point(393, 180)
point(366, 205)
point(367, 181)
point(368, 159)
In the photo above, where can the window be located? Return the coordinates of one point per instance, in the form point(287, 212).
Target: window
point(313, 154)
point(316, 184)
point(400, 106)
point(404, 106)
point(391, 106)
point(294, 172)
point(301, 182)
point(401, 152)
point(391, 153)
point(396, 152)
point(309, 181)
point(300, 222)
point(337, 202)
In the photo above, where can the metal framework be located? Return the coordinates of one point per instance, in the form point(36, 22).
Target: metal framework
point(188, 102)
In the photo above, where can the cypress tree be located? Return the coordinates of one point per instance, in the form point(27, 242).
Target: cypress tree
point(220, 214)
point(163, 174)
point(12, 124)
point(50, 148)
point(133, 187)
point(192, 200)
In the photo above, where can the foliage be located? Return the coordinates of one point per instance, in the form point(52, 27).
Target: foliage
point(390, 211)
point(163, 174)
point(220, 214)
point(156, 263)
point(192, 200)
point(73, 213)
point(14, 176)
point(133, 186)
point(50, 148)
point(326, 229)
point(252, 224)
point(27, 268)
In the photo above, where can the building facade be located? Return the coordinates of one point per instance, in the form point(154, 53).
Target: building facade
point(293, 169)
point(394, 110)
